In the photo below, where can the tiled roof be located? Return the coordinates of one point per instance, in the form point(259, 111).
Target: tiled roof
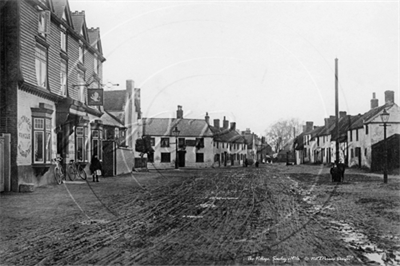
point(298, 142)
point(114, 100)
point(226, 135)
point(110, 120)
point(187, 127)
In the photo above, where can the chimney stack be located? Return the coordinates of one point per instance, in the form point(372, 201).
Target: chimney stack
point(326, 120)
point(129, 88)
point(389, 97)
point(342, 114)
point(233, 125)
point(179, 112)
point(374, 101)
point(226, 123)
point(207, 118)
point(309, 126)
point(216, 123)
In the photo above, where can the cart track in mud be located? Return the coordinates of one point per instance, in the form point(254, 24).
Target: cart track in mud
point(199, 217)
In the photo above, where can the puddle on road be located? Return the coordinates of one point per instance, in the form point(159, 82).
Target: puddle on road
point(356, 239)
point(192, 216)
point(208, 205)
point(223, 198)
point(94, 221)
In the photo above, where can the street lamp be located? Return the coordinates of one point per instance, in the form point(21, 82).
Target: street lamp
point(176, 134)
point(385, 117)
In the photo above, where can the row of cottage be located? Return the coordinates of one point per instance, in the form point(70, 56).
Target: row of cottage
point(52, 105)
point(361, 138)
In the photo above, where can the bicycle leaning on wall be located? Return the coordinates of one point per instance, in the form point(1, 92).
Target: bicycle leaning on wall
point(75, 169)
point(58, 171)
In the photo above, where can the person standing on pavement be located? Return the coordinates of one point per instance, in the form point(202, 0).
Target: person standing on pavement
point(95, 168)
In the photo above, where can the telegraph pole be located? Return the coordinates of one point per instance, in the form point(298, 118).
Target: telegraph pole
point(337, 109)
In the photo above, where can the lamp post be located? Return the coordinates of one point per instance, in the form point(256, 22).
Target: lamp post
point(385, 117)
point(176, 134)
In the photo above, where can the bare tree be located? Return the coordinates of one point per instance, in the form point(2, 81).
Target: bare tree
point(281, 132)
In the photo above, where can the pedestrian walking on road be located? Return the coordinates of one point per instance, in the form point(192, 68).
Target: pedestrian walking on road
point(95, 168)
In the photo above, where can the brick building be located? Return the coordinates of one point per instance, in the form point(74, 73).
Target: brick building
point(49, 58)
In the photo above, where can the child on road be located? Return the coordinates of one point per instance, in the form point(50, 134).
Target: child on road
point(95, 168)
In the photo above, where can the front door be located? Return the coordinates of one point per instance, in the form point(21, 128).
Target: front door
point(358, 153)
point(181, 159)
point(109, 158)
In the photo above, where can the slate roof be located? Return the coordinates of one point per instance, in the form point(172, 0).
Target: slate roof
point(315, 132)
point(114, 100)
point(368, 115)
point(344, 124)
point(187, 127)
point(227, 135)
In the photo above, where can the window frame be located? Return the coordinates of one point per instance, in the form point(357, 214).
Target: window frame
point(45, 132)
point(199, 157)
point(165, 157)
point(41, 65)
point(63, 78)
point(164, 143)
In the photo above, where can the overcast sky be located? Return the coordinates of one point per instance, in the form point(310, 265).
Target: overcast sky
point(255, 62)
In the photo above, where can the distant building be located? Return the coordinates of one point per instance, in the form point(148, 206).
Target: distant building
point(124, 105)
point(230, 147)
point(194, 146)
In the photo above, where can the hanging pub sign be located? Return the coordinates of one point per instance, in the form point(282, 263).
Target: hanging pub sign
point(95, 96)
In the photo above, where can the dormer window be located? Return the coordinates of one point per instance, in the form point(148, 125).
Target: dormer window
point(44, 22)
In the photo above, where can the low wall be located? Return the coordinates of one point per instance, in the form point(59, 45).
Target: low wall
point(125, 160)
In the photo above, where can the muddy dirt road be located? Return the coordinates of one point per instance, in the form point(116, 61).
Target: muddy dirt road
point(274, 214)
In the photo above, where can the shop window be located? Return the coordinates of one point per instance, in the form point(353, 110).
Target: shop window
point(41, 140)
point(41, 65)
point(63, 77)
point(165, 157)
point(96, 143)
point(199, 157)
point(87, 141)
point(81, 144)
point(164, 142)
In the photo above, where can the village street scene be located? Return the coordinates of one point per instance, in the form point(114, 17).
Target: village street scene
point(199, 133)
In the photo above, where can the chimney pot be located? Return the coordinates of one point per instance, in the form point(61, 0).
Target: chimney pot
point(226, 123)
point(389, 97)
point(179, 112)
point(207, 118)
point(374, 101)
point(216, 123)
